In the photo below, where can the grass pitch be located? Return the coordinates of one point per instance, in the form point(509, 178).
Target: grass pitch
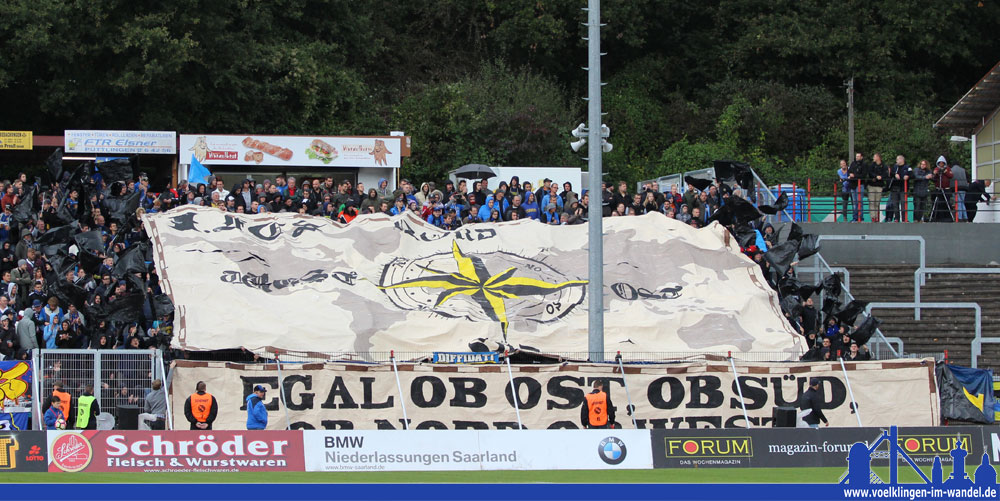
point(674, 475)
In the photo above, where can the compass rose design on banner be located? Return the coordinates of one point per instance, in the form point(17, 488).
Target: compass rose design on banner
point(436, 282)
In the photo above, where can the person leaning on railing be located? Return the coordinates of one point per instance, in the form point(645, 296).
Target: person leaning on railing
point(975, 193)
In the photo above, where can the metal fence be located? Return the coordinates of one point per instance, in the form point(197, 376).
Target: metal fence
point(120, 378)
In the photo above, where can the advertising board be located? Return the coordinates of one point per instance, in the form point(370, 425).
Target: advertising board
point(346, 450)
point(16, 140)
point(22, 451)
point(805, 447)
point(125, 142)
point(299, 151)
point(174, 451)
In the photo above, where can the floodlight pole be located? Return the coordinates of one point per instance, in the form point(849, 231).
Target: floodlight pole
point(595, 240)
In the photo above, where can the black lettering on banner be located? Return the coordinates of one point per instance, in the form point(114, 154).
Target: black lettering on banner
point(417, 392)
point(698, 421)
point(483, 234)
point(777, 383)
point(331, 424)
point(303, 226)
point(755, 397)
point(834, 392)
point(506, 425)
point(653, 423)
point(738, 422)
point(266, 231)
point(534, 392)
point(314, 276)
point(384, 424)
point(306, 400)
point(470, 425)
point(631, 293)
point(302, 425)
point(339, 389)
point(431, 425)
point(183, 222)
point(369, 403)
point(563, 425)
point(466, 388)
point(654, 393)
point(230, 223)
point(573, 395)
point(707, 386)
point(405, 228)
point(230, 277)
point(267, 381)
point(345, 277)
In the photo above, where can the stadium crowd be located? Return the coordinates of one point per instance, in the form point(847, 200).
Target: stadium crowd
point(939, 193)
point(106, 294)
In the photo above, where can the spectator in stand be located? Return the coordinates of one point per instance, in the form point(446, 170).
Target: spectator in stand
point(531, 210)
point(856, 173)
point(975, 193)
point(941, 210)
point(922, 176)
point(857, 354)
point(875, 181)
point(899, 178)
point(154, 408)
point(846, 188)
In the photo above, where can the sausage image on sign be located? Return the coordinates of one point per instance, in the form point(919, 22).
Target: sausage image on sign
point(270, 149)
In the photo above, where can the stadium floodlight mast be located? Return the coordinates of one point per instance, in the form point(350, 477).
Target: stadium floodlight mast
point(594, 134)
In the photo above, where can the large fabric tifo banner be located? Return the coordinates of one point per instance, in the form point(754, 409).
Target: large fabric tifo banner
point(683, 395)
point(295, 282)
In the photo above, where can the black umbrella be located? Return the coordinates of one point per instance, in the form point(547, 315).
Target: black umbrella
point(779, 205)
point(475, 171)
point(864, 332)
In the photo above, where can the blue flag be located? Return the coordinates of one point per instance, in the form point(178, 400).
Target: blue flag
point(977, 388)
point(197, 173)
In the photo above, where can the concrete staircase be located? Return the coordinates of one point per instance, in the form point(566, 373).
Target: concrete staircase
point(937, 330)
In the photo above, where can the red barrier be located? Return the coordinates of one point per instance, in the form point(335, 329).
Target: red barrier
point(954, 197)
point(809, 200)
point(906, 195)
point(835, 202)
point(795, 215)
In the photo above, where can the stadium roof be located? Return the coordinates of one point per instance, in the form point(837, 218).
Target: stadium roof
point(975, 106)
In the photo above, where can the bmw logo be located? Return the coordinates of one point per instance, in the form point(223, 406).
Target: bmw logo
point(612, 450)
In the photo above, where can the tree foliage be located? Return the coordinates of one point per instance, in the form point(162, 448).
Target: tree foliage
point(501, 82)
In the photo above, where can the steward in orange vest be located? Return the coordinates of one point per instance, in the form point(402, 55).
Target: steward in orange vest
point(597, 410)
point(65, 402)
point(201, 408)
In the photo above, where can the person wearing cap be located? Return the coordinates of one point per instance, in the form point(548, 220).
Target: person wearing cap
point(436, 216)
point(256, 409)
point(201, 408)
point(543, 190)
point(811, 405)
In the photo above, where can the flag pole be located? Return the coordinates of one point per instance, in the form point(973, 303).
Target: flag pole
point(631, 409)
point(739, 390)
point(399, 387)
point(857, 412)
point(513, 388)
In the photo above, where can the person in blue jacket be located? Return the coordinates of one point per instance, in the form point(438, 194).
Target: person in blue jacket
point(54, 414)
point(256, 411)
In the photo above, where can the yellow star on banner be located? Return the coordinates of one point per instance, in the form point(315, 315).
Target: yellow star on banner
point(489, 291)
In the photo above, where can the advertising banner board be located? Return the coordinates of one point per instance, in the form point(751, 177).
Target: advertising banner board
point(175, 451)
point(22, 451)
point(16, 140)
point(299, 151)
point(124, 142)
point(341, 450)
point(807, 447)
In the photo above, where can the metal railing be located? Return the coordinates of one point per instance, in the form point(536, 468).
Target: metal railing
point(637, 357)
point(918, 280)
point(977, 342)
point(119, 377)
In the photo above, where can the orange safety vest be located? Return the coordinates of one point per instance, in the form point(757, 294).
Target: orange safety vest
point(64, 401)
point(597, 405)
point(201, 406)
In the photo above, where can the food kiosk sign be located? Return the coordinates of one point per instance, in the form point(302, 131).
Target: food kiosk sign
point(15, 140)
point(126, 142)
point(300, 151)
